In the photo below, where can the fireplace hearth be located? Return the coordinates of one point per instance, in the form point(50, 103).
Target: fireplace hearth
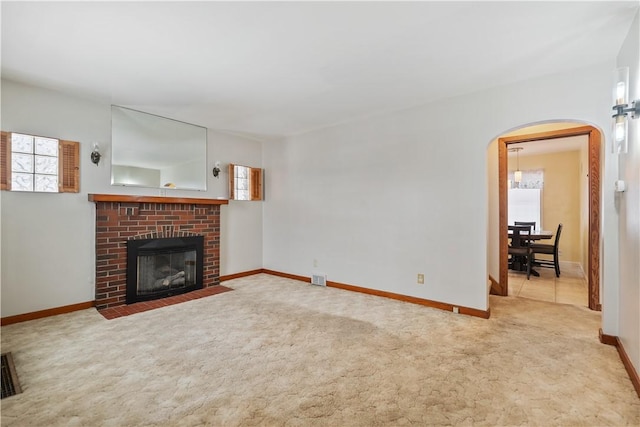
point(158, 268)
point(172, 221)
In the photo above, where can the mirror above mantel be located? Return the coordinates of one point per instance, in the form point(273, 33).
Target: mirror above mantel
point(158, 152)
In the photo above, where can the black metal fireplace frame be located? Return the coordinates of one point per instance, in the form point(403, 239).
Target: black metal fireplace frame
point(141, 247)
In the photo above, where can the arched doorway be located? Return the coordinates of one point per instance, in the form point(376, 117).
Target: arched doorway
point(594, 169)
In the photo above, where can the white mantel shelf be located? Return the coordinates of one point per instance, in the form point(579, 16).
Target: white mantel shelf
point(154, 199)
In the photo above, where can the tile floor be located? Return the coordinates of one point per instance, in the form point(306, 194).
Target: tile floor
point(570, 288)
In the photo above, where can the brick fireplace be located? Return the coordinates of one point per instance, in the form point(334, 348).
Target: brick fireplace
point(121, 218)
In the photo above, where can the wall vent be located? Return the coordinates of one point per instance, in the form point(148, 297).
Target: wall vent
point(319, 279)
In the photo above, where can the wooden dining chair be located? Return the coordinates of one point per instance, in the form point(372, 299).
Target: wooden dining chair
point(520, 247)
point(531, 224)
point(541, 248)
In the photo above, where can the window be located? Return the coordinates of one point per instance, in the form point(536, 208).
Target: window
point(525, 198)
point(245, 183)
point(38, 164)
point(524, 205)
point(241, 176)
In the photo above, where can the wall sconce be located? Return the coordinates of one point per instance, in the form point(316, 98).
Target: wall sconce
point(621, 108)
point(216, 169)
point(95, 154)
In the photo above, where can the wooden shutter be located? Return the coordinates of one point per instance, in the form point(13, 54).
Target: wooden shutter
point(255, 183)
point(5, 161)
point(232, 183)
point(69, 166)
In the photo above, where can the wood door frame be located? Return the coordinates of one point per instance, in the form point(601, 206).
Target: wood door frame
point(595, 140)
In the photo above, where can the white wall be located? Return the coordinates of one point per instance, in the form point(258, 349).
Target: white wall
point(48, 241)
point(629, 209)
point(379, 200)
point(243, 246)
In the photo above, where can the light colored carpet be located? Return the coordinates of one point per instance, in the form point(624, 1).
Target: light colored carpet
point(280, 352)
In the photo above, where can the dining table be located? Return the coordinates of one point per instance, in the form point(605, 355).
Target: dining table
point(538, 234)
point(535, 235)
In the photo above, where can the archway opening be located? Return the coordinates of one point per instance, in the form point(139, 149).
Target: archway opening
point(498, 200)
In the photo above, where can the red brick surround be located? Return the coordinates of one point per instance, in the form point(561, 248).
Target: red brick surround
point(145, 218)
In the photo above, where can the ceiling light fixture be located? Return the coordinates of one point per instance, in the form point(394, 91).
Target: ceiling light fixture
point(621, 108)
point(517, 175)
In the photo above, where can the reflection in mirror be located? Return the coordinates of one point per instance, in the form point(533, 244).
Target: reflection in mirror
point(245, 183)
point(153, 151)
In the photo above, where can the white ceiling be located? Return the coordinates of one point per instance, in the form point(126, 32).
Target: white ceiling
point(268, 69)
point(554, 145)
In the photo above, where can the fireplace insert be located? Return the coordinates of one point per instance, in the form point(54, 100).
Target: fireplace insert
point(159, 268)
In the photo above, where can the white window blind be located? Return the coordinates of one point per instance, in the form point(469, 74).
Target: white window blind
point(525, 199)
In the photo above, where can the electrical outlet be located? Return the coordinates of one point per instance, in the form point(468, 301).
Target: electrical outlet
point(315, 262)
point(421, 279)
point(456, 310)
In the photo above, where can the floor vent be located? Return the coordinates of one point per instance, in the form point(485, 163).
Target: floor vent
point(318, 279)
point(10, 384)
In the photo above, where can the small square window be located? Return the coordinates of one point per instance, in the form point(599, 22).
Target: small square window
point(46, 165)
point(21, 143)
point(46, 183)
point(34, 163)
point(46, 147)
point(22, 181)
point(38, 164)
point(22, 163)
